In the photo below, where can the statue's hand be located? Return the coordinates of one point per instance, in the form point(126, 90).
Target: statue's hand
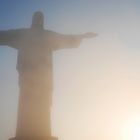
point(89, 35)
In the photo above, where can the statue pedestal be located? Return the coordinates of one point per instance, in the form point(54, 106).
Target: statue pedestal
point(34, 138)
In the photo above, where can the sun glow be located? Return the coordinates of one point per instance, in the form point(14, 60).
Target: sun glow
point(131, 131)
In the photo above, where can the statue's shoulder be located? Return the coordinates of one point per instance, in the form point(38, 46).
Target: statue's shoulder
point(17, 32)
point(50, 32)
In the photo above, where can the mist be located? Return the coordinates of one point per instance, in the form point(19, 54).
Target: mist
point(96, 86)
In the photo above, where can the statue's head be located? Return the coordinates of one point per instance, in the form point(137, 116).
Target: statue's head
point(38, 20)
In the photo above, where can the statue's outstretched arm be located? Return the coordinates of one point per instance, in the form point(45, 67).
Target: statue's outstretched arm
point(88, 35)
point(10, 38)
point(61, 41)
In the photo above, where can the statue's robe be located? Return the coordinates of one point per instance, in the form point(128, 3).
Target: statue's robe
point(34, 65)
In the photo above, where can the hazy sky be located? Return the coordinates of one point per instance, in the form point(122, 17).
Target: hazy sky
point(96, 86)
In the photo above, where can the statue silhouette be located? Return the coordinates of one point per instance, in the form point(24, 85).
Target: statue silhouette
point(35, 46)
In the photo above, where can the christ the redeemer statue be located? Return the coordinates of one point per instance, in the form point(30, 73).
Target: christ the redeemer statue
point(35, 47)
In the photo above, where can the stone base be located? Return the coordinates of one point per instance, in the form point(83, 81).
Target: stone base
point(34, 138)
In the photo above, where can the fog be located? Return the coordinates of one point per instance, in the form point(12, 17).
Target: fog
point(96, 86)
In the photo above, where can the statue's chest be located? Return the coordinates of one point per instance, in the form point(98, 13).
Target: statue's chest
point(35, 43)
